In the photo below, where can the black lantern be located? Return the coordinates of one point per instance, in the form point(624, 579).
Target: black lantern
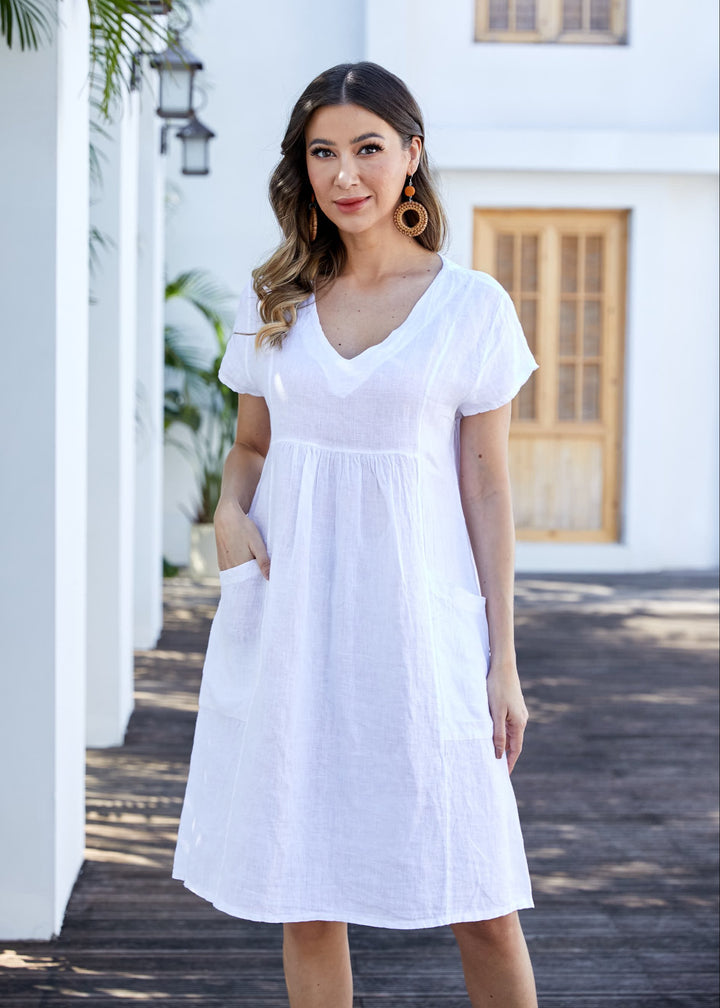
point(196, 139)
point(177, 68)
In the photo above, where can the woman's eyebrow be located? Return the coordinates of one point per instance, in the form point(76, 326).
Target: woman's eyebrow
point(367, 136)
point(358, 139)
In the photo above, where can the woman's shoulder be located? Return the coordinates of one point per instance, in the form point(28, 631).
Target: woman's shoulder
point(472, 279)
point(475, 290)
point(247, 321)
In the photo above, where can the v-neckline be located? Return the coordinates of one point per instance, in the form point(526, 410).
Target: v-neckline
point(377, 350)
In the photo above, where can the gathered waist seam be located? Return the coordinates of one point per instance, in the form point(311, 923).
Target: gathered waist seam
point(344, 450)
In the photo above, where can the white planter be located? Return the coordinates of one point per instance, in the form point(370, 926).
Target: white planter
point(203, 564)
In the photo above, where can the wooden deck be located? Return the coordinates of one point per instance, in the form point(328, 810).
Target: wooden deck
point(618, 795)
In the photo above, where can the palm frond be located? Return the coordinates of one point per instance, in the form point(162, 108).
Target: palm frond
point(120, 32)
point(31, 20)
point(207, 296)
point(97, 240)
point(179, 354)
point(196, 404)
point(96, 156)
point(179, 410)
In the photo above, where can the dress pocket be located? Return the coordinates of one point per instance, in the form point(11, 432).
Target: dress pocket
point(239, 572)
point(233, 652)
point(462, 653)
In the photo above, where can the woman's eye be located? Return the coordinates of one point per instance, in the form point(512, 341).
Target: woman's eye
point(370, 148)
point(320, 152)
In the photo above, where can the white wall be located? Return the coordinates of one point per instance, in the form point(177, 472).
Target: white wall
point(630, 126)
point(600, 126)
point(149, 388)
point(258, 58)
point(664, 79)
point(669, 487)
point(43, 412)
point(111, 436)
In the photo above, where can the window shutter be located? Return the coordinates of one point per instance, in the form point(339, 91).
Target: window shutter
point(568, 21)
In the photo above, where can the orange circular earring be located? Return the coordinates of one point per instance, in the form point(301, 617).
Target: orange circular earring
point(410, 206)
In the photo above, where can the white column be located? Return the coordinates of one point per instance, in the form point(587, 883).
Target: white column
point(111, 436)
point(43, 417)
point(150, 378)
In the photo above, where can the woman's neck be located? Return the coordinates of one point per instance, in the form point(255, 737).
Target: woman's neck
point(370, 257)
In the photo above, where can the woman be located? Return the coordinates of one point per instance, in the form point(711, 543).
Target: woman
point(352, 753)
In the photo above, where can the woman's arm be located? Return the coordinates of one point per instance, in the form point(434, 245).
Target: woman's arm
point(487, 504)
point(238, 538)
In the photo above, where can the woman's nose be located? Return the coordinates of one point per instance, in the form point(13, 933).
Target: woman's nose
point(346, 174)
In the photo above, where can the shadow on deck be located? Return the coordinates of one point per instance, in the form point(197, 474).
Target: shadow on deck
point(617, 790)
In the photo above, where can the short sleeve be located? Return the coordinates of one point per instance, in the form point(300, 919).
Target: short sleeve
point(501, 362)
point(240, 368)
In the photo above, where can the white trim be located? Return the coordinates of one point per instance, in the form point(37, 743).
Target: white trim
point(597, 558)
point(658, 152)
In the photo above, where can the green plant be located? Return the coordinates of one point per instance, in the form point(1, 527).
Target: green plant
point(32, 21)
point(170, 570)
point(195, 401)
point(121, 30)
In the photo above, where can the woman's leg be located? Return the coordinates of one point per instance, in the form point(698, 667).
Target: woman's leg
point(496, 963)
point(316, 956)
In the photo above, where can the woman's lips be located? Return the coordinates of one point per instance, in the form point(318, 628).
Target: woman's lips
point(350, 205)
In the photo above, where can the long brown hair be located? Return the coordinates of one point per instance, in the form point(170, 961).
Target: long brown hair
point(298, 265)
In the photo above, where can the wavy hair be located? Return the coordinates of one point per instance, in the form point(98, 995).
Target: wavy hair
point(298, 266)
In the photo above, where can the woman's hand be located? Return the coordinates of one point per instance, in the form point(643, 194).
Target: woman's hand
point(508, 712)
point(238, 538)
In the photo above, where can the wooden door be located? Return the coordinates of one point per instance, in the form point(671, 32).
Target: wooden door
point(565, 270)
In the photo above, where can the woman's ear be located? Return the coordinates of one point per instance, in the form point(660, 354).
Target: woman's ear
point(414, 150)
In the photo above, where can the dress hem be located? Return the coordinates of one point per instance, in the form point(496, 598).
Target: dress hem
point(362, 918)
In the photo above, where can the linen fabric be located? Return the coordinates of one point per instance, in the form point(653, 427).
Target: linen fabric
point(343, 766)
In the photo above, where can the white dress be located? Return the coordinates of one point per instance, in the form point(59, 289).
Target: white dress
point(343, 766)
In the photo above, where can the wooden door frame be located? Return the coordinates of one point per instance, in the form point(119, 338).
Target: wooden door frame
point(547, 223)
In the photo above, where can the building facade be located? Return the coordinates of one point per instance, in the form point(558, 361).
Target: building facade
point(575, 143)
point(578, 164)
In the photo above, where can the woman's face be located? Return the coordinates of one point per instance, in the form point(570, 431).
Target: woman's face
point(357, 166)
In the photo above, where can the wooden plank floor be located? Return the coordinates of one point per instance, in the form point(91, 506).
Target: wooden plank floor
point(618, 795)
